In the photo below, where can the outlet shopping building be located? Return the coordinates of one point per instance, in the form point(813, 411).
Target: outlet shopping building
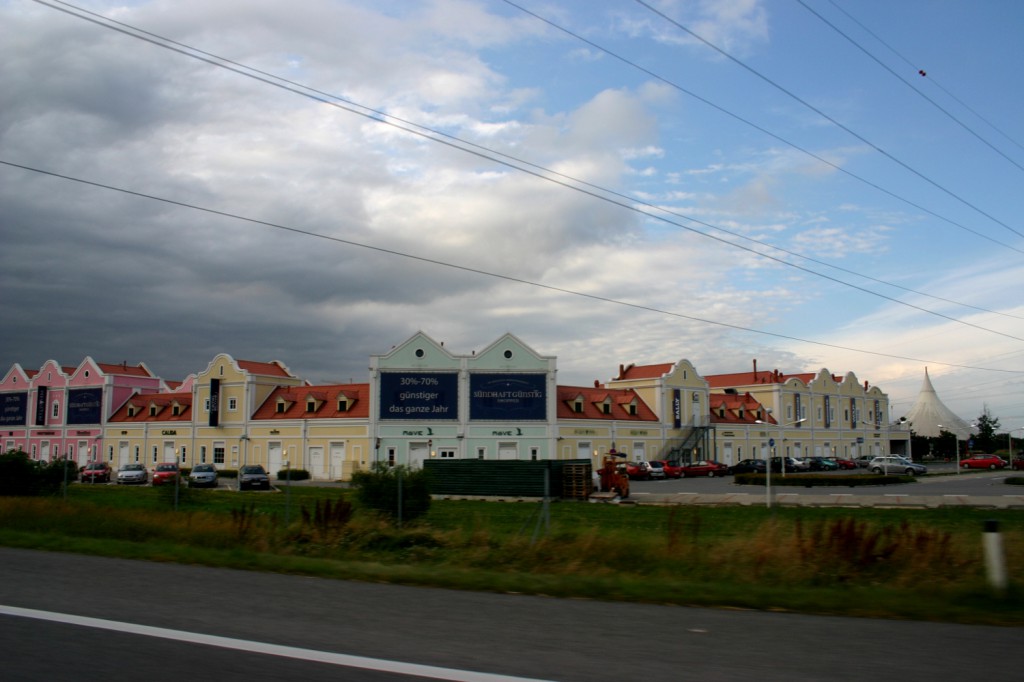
point(423, 401)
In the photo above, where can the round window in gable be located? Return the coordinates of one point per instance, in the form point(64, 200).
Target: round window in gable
point(86, 374)
point(419, 352)
point(508, 355)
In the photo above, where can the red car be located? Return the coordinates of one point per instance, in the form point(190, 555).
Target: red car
point(638, 471)
point(845, 463)
point(96, 472)
point(672, 468)
point(1018, 463)
point(982, 462)
point(165, 473)
point(704, 468)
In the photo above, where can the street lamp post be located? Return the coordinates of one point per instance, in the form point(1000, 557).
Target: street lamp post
point(768, 464)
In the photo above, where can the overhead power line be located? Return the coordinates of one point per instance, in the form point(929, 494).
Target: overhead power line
point(911, 85)
point(479, 151)
point(487, 273)
point(828, 118)
point(931, 78)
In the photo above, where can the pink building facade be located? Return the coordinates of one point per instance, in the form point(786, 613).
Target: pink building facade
point(57, 412)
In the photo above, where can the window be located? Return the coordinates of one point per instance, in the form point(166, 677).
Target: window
point(310, 406)
point(446, 453)
point(534, 451)
point(577, 406)
point(202, 454)
point(56, 410)
point(789, 412)
point(606, 408)
point(206, 404)
point(632, 409)
point(391, 451)
point(232, 404)
point(155, 454)
point(218, 454)
point(136, 453)
point(131, 410)
point(184, 454)
point(280, 407)
point(152, 410)
point(176, 410)
point(481, 452)
point(342, 405)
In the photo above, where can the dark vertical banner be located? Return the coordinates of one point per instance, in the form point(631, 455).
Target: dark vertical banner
point(677, 409)
point(853, 413)
point(85, 406)
point(878, 416)
point(508, 397)
point(828, 420)
point(796, 404)
point(214, 402)
point(41, 406)
point(13, 409)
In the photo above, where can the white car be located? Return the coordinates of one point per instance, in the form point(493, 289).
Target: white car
point(132, 473)
point(896, 465)
point(657, 469)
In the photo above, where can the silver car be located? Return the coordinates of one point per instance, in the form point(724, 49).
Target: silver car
point(896, 465)
point(203, 476)
point(132, 473)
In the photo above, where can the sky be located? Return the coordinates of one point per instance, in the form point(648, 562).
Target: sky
point(808, 183)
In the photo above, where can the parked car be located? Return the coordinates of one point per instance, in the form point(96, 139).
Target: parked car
point(640, 470)
point(704, 468)
point(983, 462)
point(203, 476)
point(132, 473)
point(657, 468)
point(801, 463)
point(821, 464)
point(790, 463)
point(896, 465)
point(166, 472)
point(673, 469)
point(749, 466)
point(864, 461)
point(1018, 463)
point(253, 476)
point(844, 463)
point(96, 472)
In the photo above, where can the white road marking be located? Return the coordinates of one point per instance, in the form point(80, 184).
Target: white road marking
point(248, 646)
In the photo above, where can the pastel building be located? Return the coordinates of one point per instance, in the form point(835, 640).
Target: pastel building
point(60, 411)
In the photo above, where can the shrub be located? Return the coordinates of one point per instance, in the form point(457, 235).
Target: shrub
point(20, 475)
point(378, 490)
point(293, 474)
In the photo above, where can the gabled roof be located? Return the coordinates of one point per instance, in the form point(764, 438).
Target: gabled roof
point(270, 369)
point(123, 369)
point(593, 398)
point(141, 402)
point(755, 377)
point(632, 372)
point(730, 408)
point(294, 398)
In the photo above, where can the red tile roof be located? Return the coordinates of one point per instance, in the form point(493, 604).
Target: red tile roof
point(754, 378)
point(594, 397)
point(123, 369)
point(164, 402)
point(631, 372)
point(270, 369)
point(327, 397)
point(731, 408)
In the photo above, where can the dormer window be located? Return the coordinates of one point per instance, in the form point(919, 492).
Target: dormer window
point(153, 410)
point(631, 408)
point(280, 407)
point(577, 406)
point(176, 410)
point(342, 404)
point(721, 413)
point(310, 406)
point(606, 407)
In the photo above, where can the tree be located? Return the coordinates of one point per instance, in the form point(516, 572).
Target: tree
point(399, 492)
point(986, 438)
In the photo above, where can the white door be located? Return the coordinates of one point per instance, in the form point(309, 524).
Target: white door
point(122, 454)
point(639, 451)
point(83, 452)
point(274, 458)
point(44, 451)
point(337, 461)
point(507, 451)
point(316, 462)
point(418, 453)
point(169, 455)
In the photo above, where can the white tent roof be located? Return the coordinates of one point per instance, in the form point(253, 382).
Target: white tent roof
point(929, 417)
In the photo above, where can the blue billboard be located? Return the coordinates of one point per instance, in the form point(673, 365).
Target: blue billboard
point(85, 406)
point(508, 397)
point(419, 395)
point(13, 409)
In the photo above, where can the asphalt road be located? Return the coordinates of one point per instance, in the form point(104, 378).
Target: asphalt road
point(280, 627)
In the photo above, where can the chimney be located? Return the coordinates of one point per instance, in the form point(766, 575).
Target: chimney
point(755, 369)
point(622, 371)
point(597, 383)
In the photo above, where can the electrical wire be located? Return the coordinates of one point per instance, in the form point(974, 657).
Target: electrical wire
point(485, 153)
point(828, 118)
point(487, 273)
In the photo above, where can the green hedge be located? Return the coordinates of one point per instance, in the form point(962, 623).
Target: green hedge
point(819, 480)
point(293, 474)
